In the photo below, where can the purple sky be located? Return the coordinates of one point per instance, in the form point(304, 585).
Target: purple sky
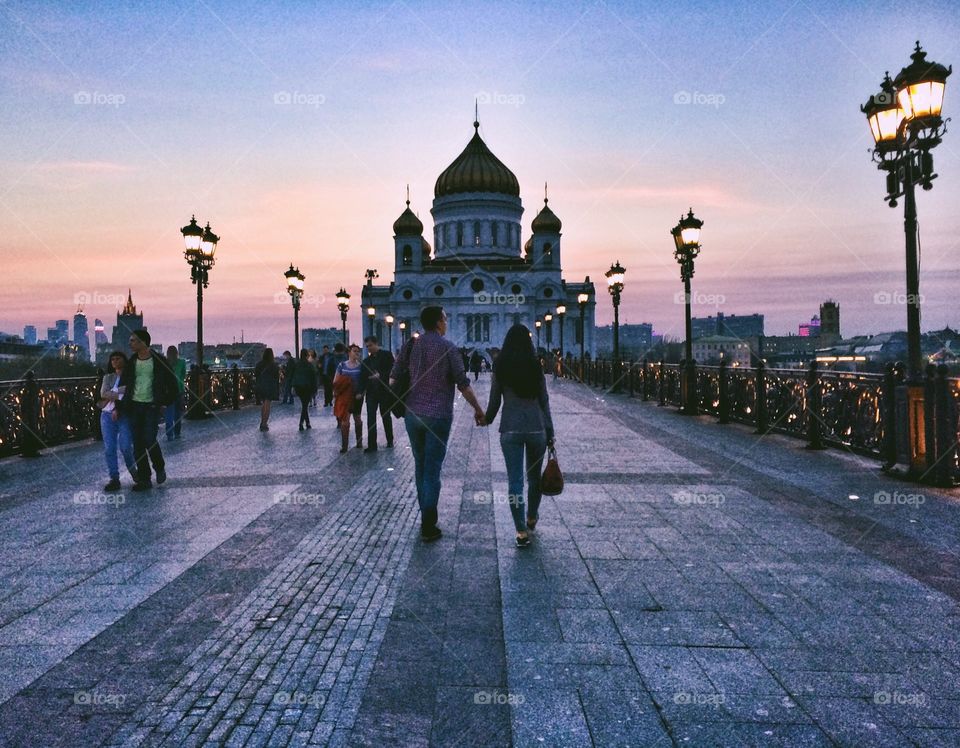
point(294, 128)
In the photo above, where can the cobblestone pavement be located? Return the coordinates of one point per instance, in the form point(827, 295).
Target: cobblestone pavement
point(694, 584)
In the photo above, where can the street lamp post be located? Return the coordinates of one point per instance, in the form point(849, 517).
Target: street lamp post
point(615, 276)
point(582, 300)
point(561, 314)
point(403, 333)
point(200, 246)
point(343, 304)
point(389, 320)
point(686, 238)
point(538, 324)
point(295, 288)
point(906, 124)
point(371, 319)
point(548, 321)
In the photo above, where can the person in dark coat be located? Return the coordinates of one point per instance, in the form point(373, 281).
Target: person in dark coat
point(305, 384)
point(266, 385)
point(373, 385)
point(476, 364)
point(289, 364)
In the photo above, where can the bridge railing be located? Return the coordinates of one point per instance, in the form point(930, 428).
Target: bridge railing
point(845, 409)
point(55, 411)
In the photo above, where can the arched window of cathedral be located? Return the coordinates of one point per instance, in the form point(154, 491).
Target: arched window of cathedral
point(407, 255)
point(460, 234)
point(548, 253)
point(496, 234)
point(476, 233)
point(485, 321)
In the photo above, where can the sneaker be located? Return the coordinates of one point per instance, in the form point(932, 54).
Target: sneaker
point(161, 476)
point(113, 485)
point(142, 486)
point(368, 450)
point(523, 542)
point(430, 534)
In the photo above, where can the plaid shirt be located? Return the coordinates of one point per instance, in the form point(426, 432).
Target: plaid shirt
point(435, 367)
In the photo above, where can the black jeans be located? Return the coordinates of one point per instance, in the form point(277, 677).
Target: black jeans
point(144, 422)
point(327, 391)
point(375, 402)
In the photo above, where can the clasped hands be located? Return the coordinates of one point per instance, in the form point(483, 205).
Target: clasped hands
point(479, 418)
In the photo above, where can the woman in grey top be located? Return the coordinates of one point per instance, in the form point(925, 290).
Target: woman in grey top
point(525, 425)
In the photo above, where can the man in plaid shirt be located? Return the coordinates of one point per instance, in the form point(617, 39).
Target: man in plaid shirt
point(436, 368)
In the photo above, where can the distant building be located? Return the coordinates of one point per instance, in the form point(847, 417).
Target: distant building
point(830, 320)
point(733, 325)
point(99, 336)
point(81, 335)
point(713, 349)
point(128, 320)
point(317, 337)
point(223, 355)
point(789, 351)
point(30, 334)
point(810, 329)
point(635, 341)
point(59, 334)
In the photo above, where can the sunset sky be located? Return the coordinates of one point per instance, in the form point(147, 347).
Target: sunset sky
point(294, 127)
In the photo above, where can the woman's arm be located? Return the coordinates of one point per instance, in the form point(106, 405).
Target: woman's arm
point(496, 395)
point(544, 400)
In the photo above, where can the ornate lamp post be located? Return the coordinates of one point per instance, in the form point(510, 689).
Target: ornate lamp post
point(906, 124)
point(538, 324)
point(548, 321)
point(295, 288)
point(561, 313)
point(389, 320)
point(686, 238)
point(403, 333)
point(615, 276)
point(200, 245)
point(582, 300)
point(343, 304)
point(371, 318)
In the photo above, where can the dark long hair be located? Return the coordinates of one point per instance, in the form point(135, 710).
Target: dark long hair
point(267, 356)
point(517, 367)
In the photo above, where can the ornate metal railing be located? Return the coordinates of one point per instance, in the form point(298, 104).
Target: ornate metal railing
point(65, 409)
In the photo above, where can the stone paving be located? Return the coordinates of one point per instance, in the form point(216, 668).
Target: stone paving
point(695, 584)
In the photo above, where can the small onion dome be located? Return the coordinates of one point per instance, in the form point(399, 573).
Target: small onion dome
point(528, 246)
point(408, 224)
point(476, 169)
point(546, 221)
point(427, 249)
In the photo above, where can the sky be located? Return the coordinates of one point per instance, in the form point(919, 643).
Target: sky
point(294, 128)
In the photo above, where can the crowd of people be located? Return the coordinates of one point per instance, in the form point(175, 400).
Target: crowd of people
point(418, 385)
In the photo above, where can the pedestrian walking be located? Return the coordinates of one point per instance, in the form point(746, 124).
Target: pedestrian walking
point(266, 377)
point(173, 413)
point(149, 384)
point(526, 428)
point(289, 364)
point(312, 360)
point(304, 380)
point(476, 364)
point(338, 356)
point(373, 376)
point(326, 378)
point(348, 396)
point(114, 425)
point(435, 368)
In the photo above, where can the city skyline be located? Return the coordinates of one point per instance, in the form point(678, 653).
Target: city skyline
point(306, 157)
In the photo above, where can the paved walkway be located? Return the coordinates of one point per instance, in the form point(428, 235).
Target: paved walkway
point(694, 585)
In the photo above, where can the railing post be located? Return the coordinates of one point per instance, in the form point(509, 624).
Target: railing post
point(645, 392)
point(235, 381)
point(931, 455)
point(888, 411)
point(760, 397)
point(814, 408)
point(946, 467)
point(723, 406)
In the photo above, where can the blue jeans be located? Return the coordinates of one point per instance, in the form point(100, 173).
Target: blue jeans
point(513, 445)
point(428, 441)
point(115, 432)
point(173, 414)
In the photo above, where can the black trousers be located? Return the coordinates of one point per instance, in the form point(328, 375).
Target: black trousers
point(376, 402)
point(144, 422)
point(305, 397)
point(327, 391)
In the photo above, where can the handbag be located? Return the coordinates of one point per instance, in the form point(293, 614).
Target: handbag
point(551, 484)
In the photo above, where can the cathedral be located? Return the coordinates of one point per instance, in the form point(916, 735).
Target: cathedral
point(478, 268)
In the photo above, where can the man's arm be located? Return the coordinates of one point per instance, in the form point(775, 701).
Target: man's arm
point(463, 384)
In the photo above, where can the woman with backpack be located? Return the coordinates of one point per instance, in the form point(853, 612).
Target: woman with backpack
point(526, 427)
point(266, 385)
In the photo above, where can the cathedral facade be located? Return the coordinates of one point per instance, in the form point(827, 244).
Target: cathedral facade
point(478, 268)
